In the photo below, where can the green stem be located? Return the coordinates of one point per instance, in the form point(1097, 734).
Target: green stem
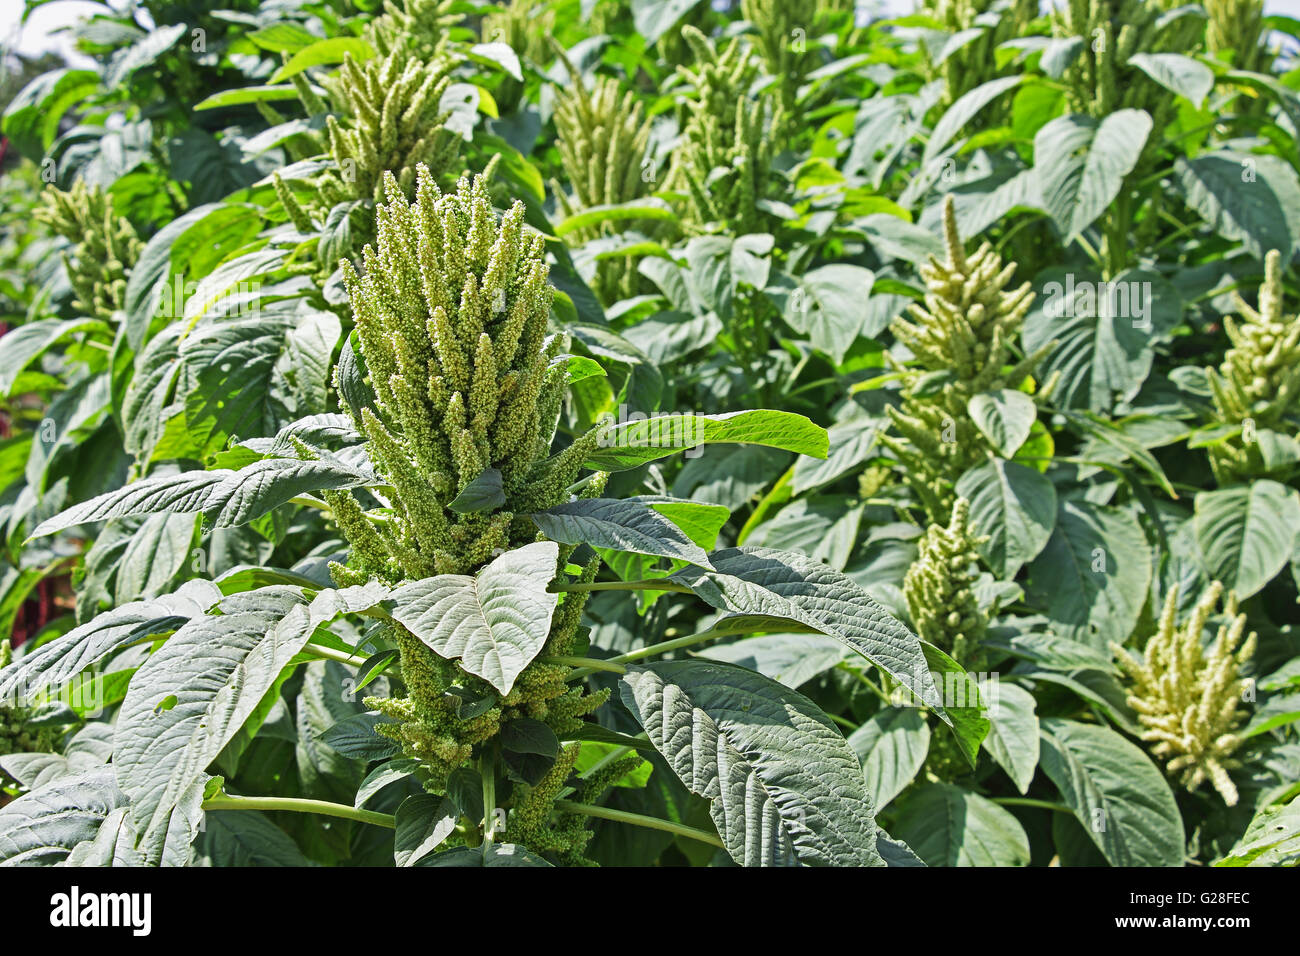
point(225, 801)
point(489, 774)
point(662, 647)
point(640, 820)
point(329, 654)
point(590, 663)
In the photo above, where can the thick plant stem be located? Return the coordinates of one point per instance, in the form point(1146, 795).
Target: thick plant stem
point(487, 771)
point(662, 647)
point(653, 584)
point(638, 820)
point(297, 805)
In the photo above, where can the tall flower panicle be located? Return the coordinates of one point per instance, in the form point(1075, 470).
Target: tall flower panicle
point(603, 138)
point(1187, 695)
point(1258, 384)
point(975, 63)
point(451, 313)
point(939, 588)
point(729, 137)
point(104, 246)
point(963, 337)
point(1236, 28)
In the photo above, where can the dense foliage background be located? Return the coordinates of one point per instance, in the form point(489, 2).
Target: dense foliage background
point(1015, 289)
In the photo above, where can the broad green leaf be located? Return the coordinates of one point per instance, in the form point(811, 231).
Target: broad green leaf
point(142, 53)
point(1117, 794)
point(964, 707)
point(700, 521)
point(1101, 333)
point(892, 746)
point(831, 305)
point(1247, 197)
point(1013, 733)
point(1092, 577)
point(1246, 534)
point(850, 444)
point(482, 494)
point(948, 826)
point(495, 623)
point(225, 497)
point(423, 822)
point(283, 37)
point(246, 838)
point(1014, 506)
point(1272, 839)
point(761, 581)
point(192, 696)
point(324, 52)
point(1004, 417)
point(42, 827)
point(150, 278)
point(500, 55)
point(789, 659)
point(1177, 73)
point(620, 525)
point(1081, 164)
point(52, 665)
point(487, 854)
point(783, 786)
point(634, 443)
point(32, 117)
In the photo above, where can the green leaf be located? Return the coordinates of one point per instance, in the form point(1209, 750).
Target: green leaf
point(423, 823)
point(215, 672)
point(487, 854)
point(1081, 164)
point(648, 207)
point(42, 827)
point(1272, 839)
point(1093, 575)
point(1246, 534)
point(831, 305)
point(484, 493)
point(962, 112)
point(1015, 507)
point(499, 55)
point(495, 623)
point(142, 53)
point(963, 702)
point(634, 443)
point(948, 826)
point(283, 37)
point(246, 838)
point(783, 786)
point(356, 737)
point(527, 736)
point(1117, 794)
point(225, 498)
point(892, 746)
point(1004, 417)
point(27, 341)
point(52, 665)
point(1179, 74)
point(324, 52)
point(32, 118)
point(621, 525)
point(1245, 197)
point(243, 95)
point(762, 581)
point(1013, 733)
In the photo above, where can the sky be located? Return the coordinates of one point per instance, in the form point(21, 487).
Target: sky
point(38, 34)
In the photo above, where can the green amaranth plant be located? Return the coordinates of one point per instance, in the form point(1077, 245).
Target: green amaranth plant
point(419, 25)
point(962, 344)
point(16, 734)
point(105, 246)
point(1256, 390)
point(729, 138)
point(975, 63)
point(394, 121)
point(1187, 695)
point(1236, 32)
point(603, 136)
point(784, 34)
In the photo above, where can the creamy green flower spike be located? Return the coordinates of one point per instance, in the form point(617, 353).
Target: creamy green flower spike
point(1187, 695)
point(1258, 384)
point(603, 136)
point(939, 587)
point(962, 341)
point(419, 25)
point(451, 313)
point(784, 30)
point(524, 26)
point(729, 137)
point(105, 246)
